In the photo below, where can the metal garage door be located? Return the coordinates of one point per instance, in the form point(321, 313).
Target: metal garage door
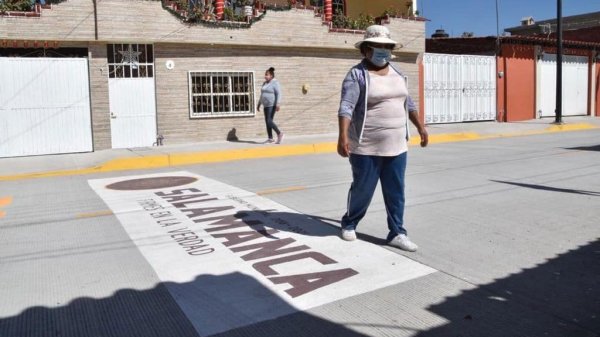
point(459, 88)
point(574, 85)
point(44, 106)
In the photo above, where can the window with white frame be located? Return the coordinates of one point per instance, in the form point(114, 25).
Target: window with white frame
point(220, 94)
point(130, 60)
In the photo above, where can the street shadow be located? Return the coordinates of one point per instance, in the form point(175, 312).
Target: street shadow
point(549, 188)
point(304, 224)
point(232, 137)
point(584, 148)
point(228, 305)
point(560, 297)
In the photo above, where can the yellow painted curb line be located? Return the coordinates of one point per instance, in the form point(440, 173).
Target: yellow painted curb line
point(446, 138)
point(571, 127)
point(177, 159)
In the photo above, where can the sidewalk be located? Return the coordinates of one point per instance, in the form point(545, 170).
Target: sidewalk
point(220, 151)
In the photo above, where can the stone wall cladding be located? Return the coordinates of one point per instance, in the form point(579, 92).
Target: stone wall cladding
point(310, 113)
point(99, 96)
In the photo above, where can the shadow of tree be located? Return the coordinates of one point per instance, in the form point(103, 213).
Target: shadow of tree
point(558, 298)
point(209, 304)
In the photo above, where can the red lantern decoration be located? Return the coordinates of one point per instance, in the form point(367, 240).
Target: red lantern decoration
point(25, 44)
point(15, 44)
point(46, 44)
point(4, 43)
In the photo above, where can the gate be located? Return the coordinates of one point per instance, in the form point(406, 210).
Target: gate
point(459, 88)
point(44, 106)
point(574, 86)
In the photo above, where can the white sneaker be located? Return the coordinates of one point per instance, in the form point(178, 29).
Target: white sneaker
point(403, 242)
point(269, 141)
point(279, 138)
point(348, 234)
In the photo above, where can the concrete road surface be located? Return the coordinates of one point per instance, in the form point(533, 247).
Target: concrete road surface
point(508, 232)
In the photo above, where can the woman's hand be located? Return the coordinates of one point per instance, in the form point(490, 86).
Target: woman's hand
point(277, 108)
point(343, 147)
point(258, 108)
point(424, 136)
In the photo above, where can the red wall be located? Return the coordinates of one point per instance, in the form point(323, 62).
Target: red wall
point(518, 84)
point(500, 89)
point(597, 94)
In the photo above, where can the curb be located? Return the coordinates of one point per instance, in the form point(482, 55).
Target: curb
point(179, 159)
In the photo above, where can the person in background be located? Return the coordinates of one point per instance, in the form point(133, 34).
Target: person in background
point(373, 132)
point(270, 98)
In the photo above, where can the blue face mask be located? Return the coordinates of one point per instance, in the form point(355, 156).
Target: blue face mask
point(381, 56)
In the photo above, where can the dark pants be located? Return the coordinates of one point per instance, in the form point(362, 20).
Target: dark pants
point(269, 115)
point(366, 172)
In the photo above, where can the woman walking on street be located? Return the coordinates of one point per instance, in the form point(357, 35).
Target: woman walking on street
point(270, 98)
point(373, 131)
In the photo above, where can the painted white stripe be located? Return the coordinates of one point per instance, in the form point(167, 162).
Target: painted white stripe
point(219, 291)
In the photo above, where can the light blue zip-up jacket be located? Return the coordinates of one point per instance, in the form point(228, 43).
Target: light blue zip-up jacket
point(355, 90)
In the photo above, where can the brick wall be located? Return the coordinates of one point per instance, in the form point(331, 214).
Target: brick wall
point(301, 114)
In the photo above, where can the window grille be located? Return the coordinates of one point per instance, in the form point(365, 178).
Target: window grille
point(337, 6)
point(130, 60)
point(220, 94)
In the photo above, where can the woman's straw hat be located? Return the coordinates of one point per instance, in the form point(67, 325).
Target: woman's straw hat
point(377, 34)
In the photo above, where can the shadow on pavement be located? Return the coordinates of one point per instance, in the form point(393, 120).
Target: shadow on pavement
point(549, 188)
point(558, 298)
point(209, 304)
point(305, 224)
point(585, 148)
point(232, 137)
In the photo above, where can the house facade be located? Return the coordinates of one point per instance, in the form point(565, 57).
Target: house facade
point(119, 74)
point(525, 74)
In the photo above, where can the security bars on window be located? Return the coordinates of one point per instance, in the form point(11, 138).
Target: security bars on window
point(220, 94)
point(130, 60)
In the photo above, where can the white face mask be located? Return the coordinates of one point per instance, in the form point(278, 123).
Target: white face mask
point(381, 56)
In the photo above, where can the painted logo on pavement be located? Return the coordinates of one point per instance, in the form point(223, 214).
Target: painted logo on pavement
point(187, 226)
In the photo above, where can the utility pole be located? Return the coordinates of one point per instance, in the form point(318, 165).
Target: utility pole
point(559, 57)
point(497, 31)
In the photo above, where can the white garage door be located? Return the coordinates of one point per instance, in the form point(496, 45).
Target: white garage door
point(574, 85)
point(44, 106)
point(459, 88)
